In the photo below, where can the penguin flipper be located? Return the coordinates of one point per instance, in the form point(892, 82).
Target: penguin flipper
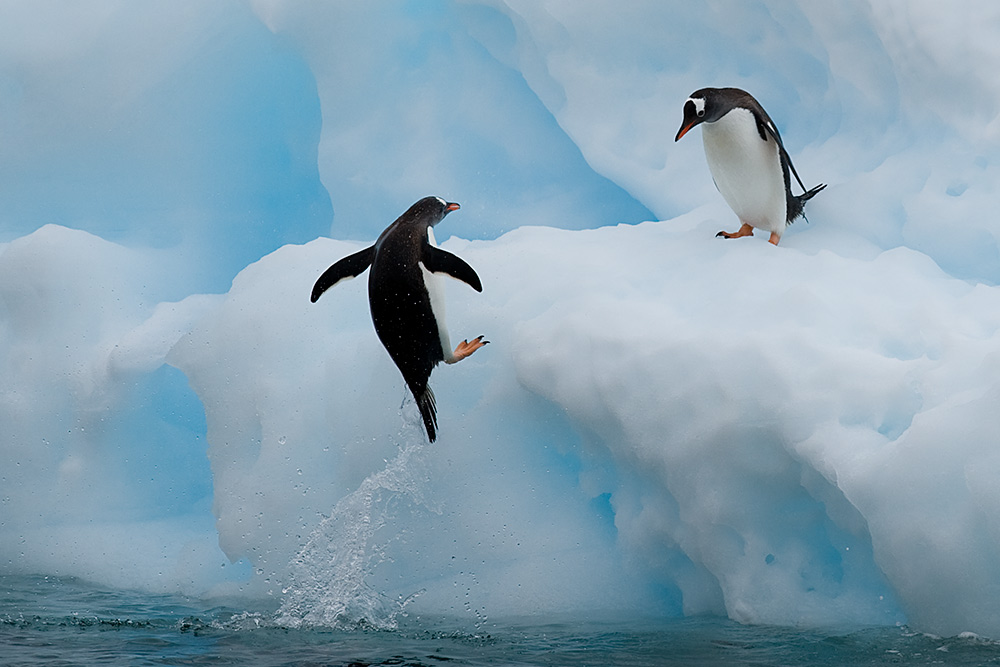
point(437, 260)
point(348, 267)
point(766, 126)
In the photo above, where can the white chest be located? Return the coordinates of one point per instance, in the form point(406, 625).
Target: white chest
point(435, 290)
point(746, 169)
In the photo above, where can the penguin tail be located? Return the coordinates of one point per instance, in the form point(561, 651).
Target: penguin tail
point(797, 203)
point(428, 411)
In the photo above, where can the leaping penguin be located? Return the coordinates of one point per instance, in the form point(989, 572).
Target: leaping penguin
point(406, 297)
point(747, 159)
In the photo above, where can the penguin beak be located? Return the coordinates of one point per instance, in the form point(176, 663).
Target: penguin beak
point(684, 130)
point(691, 118)
point(452, 206)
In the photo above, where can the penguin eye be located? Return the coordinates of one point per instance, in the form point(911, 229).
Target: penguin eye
point(696, 106)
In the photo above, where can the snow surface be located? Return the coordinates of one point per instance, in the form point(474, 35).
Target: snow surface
point(664, 423)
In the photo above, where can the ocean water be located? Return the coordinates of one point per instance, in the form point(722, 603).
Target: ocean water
point(63, 621)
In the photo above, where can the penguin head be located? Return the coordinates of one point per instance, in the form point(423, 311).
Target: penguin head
point(430, 210)
point(704, 106)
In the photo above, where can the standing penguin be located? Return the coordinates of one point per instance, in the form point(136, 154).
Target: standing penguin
point(406, 300)
point(747, 159)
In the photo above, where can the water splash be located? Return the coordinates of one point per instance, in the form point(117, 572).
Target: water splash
point(328, 583)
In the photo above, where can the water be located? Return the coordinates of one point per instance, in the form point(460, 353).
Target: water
point(328, 585)
point(329, 614)
point(59, 621)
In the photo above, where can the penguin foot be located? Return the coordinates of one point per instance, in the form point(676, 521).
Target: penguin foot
point(745, 230)
point(775, 237)
point(465, 349)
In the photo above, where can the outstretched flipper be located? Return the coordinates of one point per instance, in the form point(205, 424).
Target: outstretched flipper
point(437, 260)
point(349, 267)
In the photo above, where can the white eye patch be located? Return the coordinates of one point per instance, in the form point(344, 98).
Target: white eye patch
point(699, 105)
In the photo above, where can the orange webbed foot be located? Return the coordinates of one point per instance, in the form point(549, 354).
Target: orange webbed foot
point(744, 230)
point(465, 349)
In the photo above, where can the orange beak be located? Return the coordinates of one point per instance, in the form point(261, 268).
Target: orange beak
point(684, 130)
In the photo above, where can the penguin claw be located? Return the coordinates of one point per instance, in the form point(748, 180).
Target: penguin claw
point(465, 349)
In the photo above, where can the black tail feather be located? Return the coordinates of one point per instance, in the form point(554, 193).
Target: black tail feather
point(797, 203)
point(428, 410)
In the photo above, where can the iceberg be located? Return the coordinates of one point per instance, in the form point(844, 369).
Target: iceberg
point(665, 423)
